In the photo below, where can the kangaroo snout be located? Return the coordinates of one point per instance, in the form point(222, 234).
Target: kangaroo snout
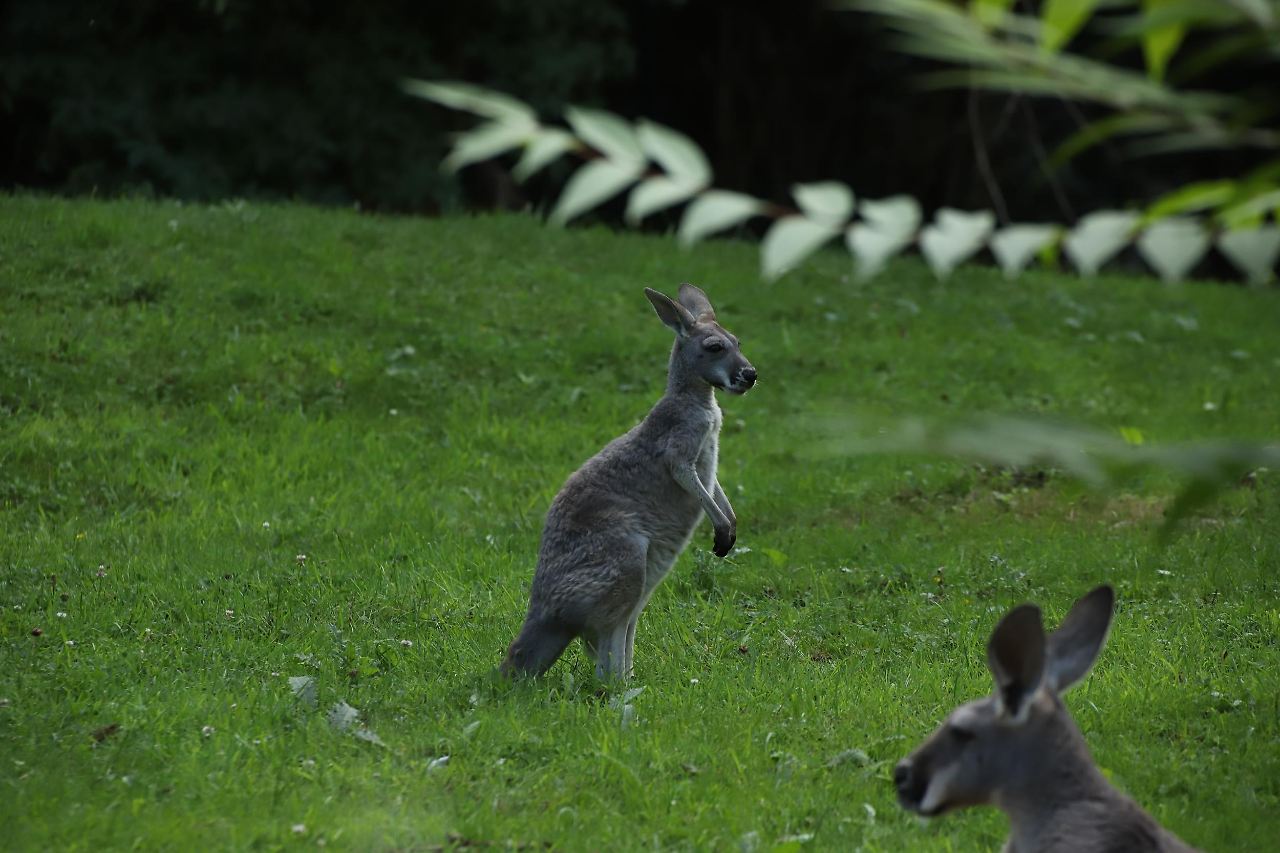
point(909, 791)
point(743, 380)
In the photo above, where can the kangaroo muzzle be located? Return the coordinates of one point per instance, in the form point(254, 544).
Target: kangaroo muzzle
point(743, 379)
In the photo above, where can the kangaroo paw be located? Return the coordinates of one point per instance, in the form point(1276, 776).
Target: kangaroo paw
point(724, 542)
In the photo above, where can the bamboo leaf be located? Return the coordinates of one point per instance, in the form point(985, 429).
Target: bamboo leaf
point(1160, 42)
point(828, 202)
point(594, 184)
point(1097, 237)
point(1251, 212)
point(1253, 251)
point(678, 155)
point(548, 145)
point(607, 133)
point(1015, 245)
point(791, 240)
point(989, 13)
point(1204, 195)
point(1061, 20)
point(714, 211)
point(654, 194)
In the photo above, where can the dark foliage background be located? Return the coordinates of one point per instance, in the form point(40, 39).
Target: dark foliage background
point(206, 99)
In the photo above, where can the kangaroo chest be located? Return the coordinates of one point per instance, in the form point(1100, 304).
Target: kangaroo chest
point(680, 514)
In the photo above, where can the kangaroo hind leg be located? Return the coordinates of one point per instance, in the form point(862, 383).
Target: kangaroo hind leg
point(611, 654)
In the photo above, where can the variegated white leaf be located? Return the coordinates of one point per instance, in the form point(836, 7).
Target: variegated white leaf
point(1173, 247)
point(1015, 245)
point(654, 194)
point(483, 143)
point(1097, 237)
point(714, 211)
point(872, 247)
point(1253, 251)
point(954, 237)
point(547, 145)
point(607, 133)
point(897, 216)
point(593, 184)
point(474, 99)
point(789, 241)
point(678, 155)
point(828, 202)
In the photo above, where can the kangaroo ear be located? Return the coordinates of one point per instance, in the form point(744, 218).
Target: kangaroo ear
point(675, 315)
point(697, 302)
point(1015, 656)
point(1079, 639)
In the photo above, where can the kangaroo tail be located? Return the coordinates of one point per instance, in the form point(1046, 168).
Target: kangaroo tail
point(539, 645)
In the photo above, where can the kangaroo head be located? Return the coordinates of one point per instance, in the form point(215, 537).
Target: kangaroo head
point(1007, 741)
point(703, 347)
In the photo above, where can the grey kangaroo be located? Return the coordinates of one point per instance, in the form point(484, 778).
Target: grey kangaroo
point(1019, 749)
point(621, 520)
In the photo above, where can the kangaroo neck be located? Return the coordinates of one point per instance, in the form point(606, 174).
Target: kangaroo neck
point(1070, 777)
point(684, 383)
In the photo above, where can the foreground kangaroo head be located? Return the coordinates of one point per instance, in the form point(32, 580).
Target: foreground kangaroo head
point(1012, 740)
point(703, 348)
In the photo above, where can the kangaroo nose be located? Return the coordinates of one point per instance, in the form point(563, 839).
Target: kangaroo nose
point(749, 374)
point(902, 775)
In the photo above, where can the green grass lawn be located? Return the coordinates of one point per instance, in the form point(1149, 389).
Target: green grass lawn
point(192, 397)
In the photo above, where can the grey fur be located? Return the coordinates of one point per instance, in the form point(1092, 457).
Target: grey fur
point(1020, 750)
point(621, 520)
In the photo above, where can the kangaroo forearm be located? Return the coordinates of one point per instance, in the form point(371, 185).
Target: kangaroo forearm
point(722, 501)
point(687, 478)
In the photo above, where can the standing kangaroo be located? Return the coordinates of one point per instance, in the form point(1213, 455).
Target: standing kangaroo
point(1020, 750)
point(621, 520)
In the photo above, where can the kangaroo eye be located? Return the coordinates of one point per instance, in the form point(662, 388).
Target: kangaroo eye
point(715, 346)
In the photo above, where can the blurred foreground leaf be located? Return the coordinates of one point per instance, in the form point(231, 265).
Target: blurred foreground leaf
point(1100, 459)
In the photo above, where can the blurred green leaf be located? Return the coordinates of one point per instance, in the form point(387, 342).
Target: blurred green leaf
point(714, 211)
point(1205, 195)
point(989, 13)
point(1061, 20)
point(1101, 130)
point(1200, 59)
point(1100, 459)
point(789, 241)
point(1160, 42)
point(593, 184)
point(1251, 211)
